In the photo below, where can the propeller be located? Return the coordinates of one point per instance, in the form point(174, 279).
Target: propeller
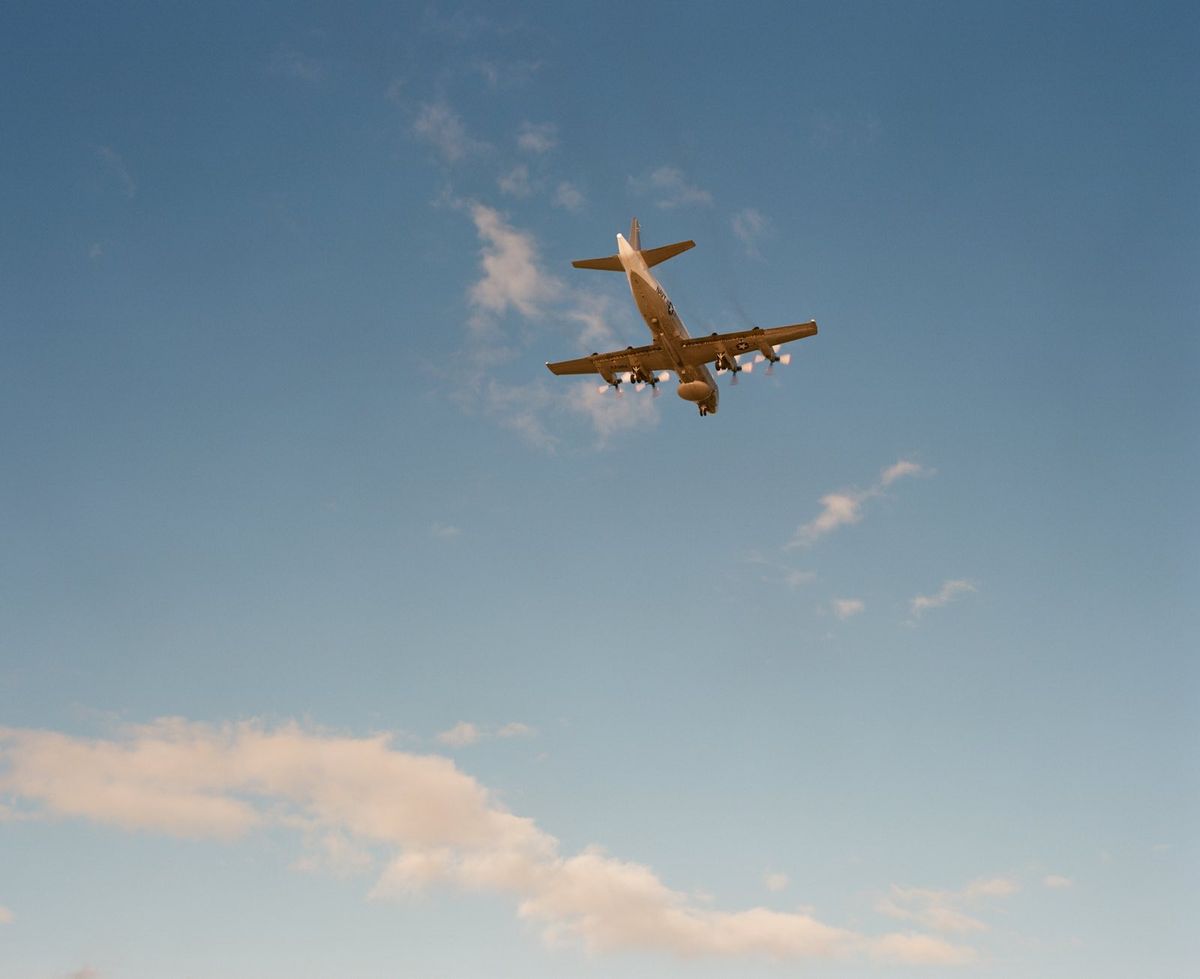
point(779, 358)
point(746, 368)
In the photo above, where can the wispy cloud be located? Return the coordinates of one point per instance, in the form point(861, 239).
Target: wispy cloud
point(512, 276)
point(287, 62)
point(445, 531)
point(569, 197)
point(1057, 882)
point(537, 137)
point(775, 882)
point(515, 182)
point(949, 591)
point(465, 733)
point(845, 507)
point(943, 910)
point(845, 608)
point(442, 128)
point(420, 817)
point(116, 167)
point(671, 188)
point(6, 916)
point(608, 412)
point(749, 226)
point(507, 74)
point(462, 734)
point(513, 281)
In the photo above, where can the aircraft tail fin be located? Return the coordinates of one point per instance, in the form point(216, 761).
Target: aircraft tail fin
point(654, 256)
point(610, 263)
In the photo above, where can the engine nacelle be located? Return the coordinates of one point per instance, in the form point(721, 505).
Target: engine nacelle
point(694, 390)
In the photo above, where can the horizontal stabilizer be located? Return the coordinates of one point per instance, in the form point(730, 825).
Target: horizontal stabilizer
point(654, 256)
point(610, 263)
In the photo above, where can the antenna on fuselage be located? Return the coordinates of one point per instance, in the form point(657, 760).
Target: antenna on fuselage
point(635, 235)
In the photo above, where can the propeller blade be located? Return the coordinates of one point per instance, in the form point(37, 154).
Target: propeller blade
point(640, 386)
point(657, 393)
point(748, 368)
point(664, 376)
point(733, 383)
point(785, 359)
point(603, 387)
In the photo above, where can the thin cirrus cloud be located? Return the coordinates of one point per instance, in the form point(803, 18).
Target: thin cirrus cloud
point(847, 608)
point(442, 128)
point(414, 820)
point(944, 911)
point(845, 507)
point(949, 591)
point(671, 188)
point(749, 226)
point(115, 165)
point(537, 137)
point(465, 733)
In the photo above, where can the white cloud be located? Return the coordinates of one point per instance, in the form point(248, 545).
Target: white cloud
point(445, 531)
point(507, 74)
point(6, 916)
point(798, 579)
point(427, 820)
point(515, 183)
point(442, 128)
point(116, 167)
point(991, 887)
point(845, 507)
point(515, 729)
point(900, 469)
point(775, 882)
point(512, 276)
point(942, 910)
point(465, 733)
point(287, 62)
point(95, 250)
point(845, 608)
point(671, 188)
point(609, 412)
point(537, 137)
point(949, 591)
point(917, 949)
point(462, 734)
point(569, 197)
point(1057, 882)
point(590, 311)
point(749, 225)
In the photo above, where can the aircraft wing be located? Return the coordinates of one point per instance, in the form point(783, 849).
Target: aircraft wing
point(649, 359)
point(703, 350)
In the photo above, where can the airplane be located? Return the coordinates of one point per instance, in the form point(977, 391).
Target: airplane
point(673, 349)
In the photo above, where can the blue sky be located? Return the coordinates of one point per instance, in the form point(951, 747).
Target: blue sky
point(337, 637)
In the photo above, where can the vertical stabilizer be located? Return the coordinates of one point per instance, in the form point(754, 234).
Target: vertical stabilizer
point(635, 235)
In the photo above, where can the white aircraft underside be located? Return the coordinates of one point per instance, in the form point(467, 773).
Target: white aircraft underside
point(673, 350)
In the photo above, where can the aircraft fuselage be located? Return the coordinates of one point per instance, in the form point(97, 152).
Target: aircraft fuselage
point(696, 383)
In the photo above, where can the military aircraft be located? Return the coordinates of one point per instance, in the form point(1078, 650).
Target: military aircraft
point(673, 349)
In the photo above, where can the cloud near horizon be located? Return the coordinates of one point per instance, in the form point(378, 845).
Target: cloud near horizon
point(419, 816)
